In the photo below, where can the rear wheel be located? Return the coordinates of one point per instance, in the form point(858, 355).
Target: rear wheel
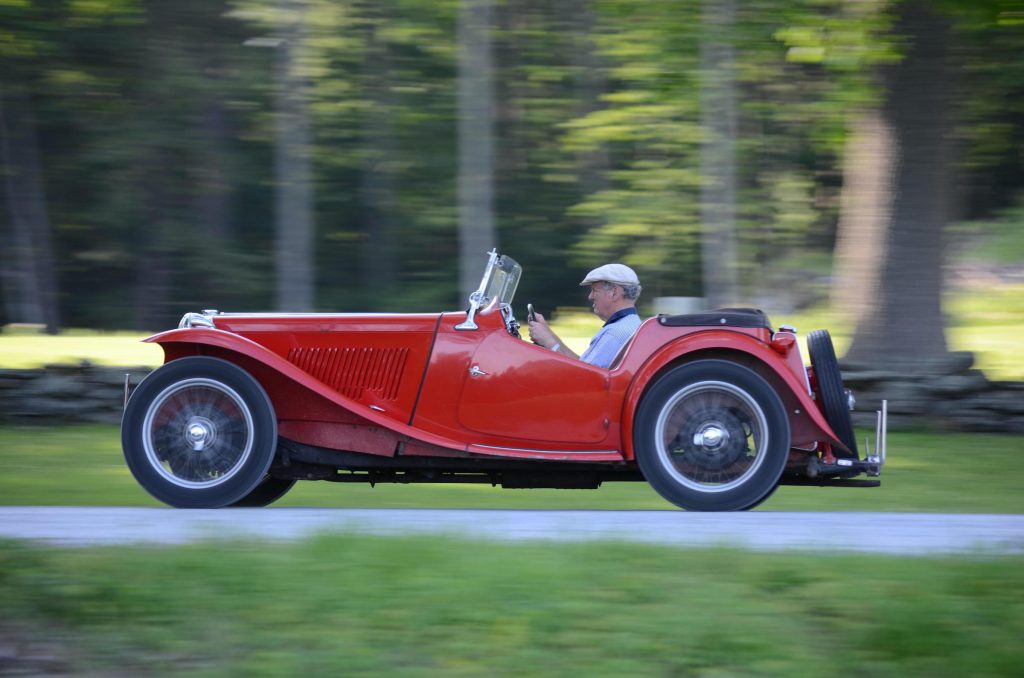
point(712, 436)
point(834, 399)
point(199, 432)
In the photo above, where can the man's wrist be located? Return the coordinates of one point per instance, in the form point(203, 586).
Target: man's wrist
point(557, 346)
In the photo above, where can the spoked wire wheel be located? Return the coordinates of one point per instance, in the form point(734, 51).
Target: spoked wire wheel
point(712, 435)
point(199, 432)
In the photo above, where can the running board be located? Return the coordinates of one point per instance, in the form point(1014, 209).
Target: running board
point(828, 482)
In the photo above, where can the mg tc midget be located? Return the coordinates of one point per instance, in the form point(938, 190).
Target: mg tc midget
point(713, 409)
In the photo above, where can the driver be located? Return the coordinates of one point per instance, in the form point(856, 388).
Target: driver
point(614, 289)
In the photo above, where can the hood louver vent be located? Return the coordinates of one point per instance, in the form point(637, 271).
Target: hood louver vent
point(350, 371)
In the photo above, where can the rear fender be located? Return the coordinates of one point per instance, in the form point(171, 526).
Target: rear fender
point(266, 366)
point(807, 423)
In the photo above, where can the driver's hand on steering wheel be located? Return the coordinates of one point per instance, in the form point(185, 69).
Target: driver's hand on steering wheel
point(540, 333)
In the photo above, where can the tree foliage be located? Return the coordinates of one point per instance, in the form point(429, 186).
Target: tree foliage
point(156, 143)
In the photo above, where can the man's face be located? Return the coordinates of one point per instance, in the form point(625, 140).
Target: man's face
point(604, 298)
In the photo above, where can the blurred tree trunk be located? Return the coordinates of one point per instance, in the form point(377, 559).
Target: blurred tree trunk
point(902, 321)
point(590, 83)
point(718, 153)
point(213, 189)
point(153, 264)
point(865, 211)
point(157, 223)
point(380, 257)
point(29, 279)
point(475, 191)
point(293, 176)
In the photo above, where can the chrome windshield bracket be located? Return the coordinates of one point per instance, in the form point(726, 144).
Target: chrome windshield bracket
point(478, 298)
point(469, 323)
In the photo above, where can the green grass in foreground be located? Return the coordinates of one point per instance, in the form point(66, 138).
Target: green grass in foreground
point(83, 466)
point(364, 606)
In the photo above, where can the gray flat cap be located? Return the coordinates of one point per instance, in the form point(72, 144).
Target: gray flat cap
point(618, 274)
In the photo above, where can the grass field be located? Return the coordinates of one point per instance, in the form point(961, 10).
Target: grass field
point(363, 606)
point(83, 466)
point(22, 348)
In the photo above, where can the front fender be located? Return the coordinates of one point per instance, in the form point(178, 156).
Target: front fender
point(806, 419)
point(182, 342)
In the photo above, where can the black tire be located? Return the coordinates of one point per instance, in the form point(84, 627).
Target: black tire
point(199, 432)
point(712, 435)
point(834, 401)
point(266, 493)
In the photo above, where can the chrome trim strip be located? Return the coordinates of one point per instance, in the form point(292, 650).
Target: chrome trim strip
point(244, 314)
point(525, 449)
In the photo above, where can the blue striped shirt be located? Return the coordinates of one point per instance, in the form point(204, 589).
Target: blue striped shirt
point(613, 336)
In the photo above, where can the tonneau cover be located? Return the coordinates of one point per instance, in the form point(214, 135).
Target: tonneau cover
point(722, 317)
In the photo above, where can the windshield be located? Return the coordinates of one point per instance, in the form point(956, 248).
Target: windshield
point(501, 277)
point(504, 274)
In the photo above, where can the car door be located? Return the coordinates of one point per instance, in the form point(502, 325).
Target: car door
point(516, 389)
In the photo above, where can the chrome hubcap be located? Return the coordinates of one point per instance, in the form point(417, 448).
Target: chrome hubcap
point(200, 432)
point(711, 437)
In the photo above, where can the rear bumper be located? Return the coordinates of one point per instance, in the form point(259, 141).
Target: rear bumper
point(874, 455)
point(874, 460)
point(841, 470)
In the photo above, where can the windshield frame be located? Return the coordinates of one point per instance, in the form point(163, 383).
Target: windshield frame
point(498, 285)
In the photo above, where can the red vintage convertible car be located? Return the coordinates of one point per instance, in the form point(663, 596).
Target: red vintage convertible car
point(713, 409)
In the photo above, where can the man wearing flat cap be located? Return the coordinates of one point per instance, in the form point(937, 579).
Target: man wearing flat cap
point(614, 289)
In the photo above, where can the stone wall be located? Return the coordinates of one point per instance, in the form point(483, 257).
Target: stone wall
point(64, 394)
point(952, 396)
point(948, 395)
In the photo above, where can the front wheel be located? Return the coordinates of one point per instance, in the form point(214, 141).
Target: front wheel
point(712, 435)
point(266, 493)
point(199, 432)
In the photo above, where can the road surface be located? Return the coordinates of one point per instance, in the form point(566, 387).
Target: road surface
point(888, 533)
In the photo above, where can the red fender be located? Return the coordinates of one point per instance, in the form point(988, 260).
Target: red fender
point(234, 343)
point(806, 417)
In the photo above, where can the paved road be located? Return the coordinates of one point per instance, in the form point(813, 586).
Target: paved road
point(892, 533)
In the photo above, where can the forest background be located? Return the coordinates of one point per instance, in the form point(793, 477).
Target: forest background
point(163, 156)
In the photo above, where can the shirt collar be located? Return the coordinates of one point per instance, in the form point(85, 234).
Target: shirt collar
point(620, 314)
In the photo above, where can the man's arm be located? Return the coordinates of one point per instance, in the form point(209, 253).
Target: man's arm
point(542, 335)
